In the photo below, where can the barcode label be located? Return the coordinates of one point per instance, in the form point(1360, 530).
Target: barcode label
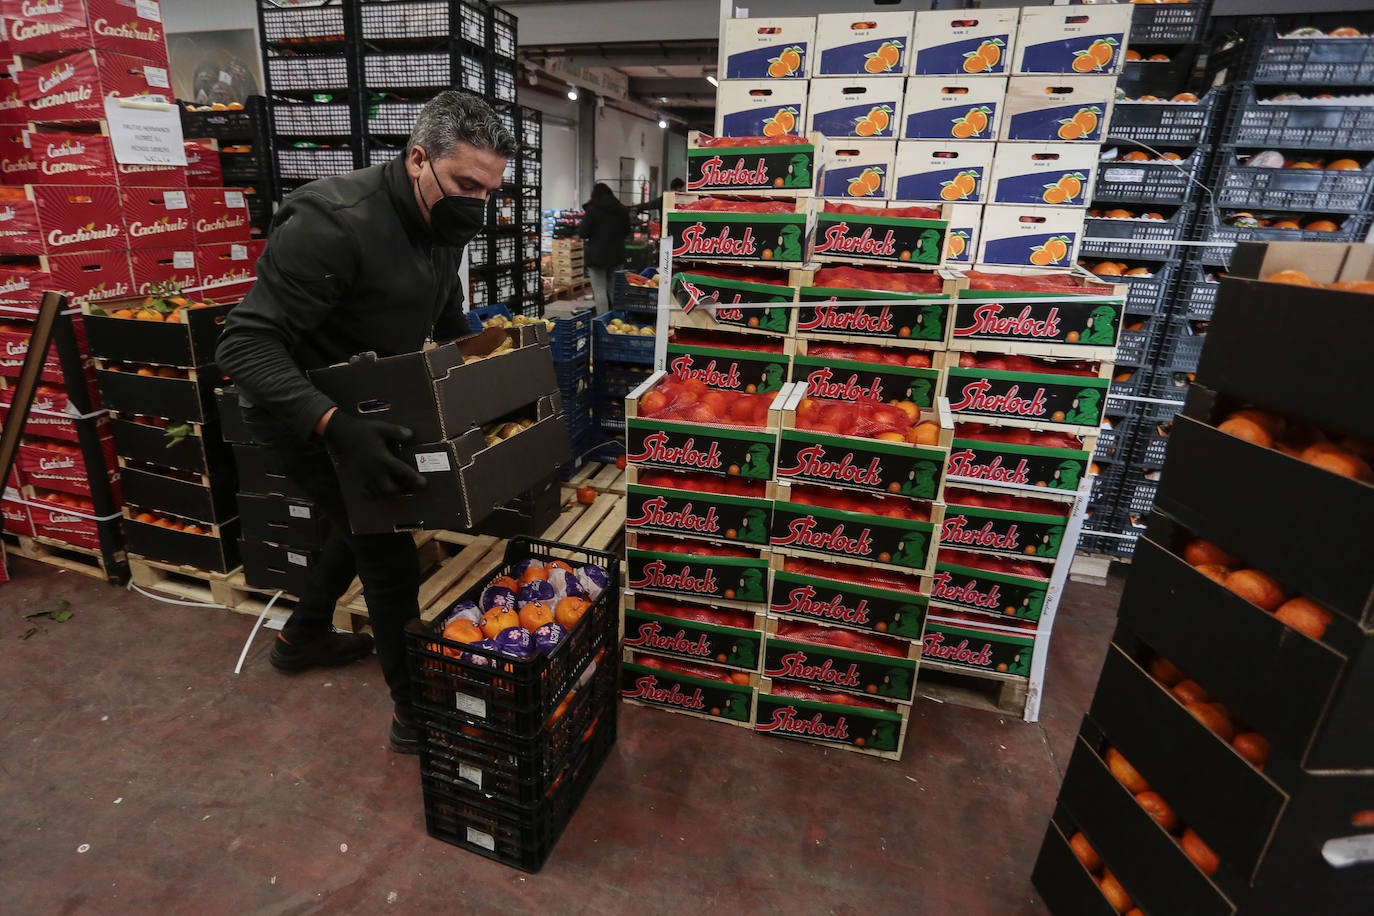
point(148, 9)
point(299, 511)
point(234, 199)
point(473, 706)
point(174, 200)
point(297, 558)
point(183, 260)
point(156, 76)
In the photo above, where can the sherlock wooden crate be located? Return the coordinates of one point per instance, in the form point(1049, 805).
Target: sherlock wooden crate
point(758, 370)
point(692, 632)
point(815, 593)
point(644, 681)
point(984, 584)
point(986, 464)
point(721, 303)
point(671, 504)
point(838, 372)
point(882, 233)
point(835, 658)
point(855, 535)
point(693, 570)
point(728, 166)
point(911, 310)
point(777, 234)
point(1006, 525)
point(1037, 400)
point(869, 727)
point(966, 643)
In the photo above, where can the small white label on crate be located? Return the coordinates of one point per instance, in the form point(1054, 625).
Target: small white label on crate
point(469, 773)
point(478, 838)
point(238, 252)
point(174, 200)
point(432, 462)
point(234, 199)
point(183, 260)
point(1123, 176)
point(297, 558)
point(157, 76)
point(473, 706)
point(148, 9)
point(299, 511)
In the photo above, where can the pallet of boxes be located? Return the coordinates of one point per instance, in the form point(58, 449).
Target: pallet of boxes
point(568, 268)
point(1242, 781)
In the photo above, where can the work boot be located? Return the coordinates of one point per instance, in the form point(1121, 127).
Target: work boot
point(405, 732)
point(328, 650)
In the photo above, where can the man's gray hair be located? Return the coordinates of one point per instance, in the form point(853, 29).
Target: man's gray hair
point(452, 117)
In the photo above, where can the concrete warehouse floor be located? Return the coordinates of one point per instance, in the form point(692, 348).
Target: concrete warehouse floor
point(141, 775)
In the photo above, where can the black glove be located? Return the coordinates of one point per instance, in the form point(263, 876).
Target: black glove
point(365, 446)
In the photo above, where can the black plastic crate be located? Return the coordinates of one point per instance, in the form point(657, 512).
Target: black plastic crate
point(1148, 295)
point(1152, 431)
point(1116, 538)
point(610, 414)
point(248, 124)
point(1210, 229)
point(468, 684)
point(298, 118)
point(1181, 345)
point(520, 837)
point(531, 169)
point(574, 379)
point(1159, 77)
point(392, 117)
point(616, 380)
point(513, 771)
point(425, 71)
point(1153, 183)
point(529, 209)
point(1127, 382)
point(1163, 122)
point(310, 164)
point(529, 240)
point(503, 83)
point(309, 73)
point(393, 22)
point(1254, 121)
point(1113, 441)
point(1196, 293)
point(502, 29)
point(1304, 61)
point(633, 298)
point(479, 251)
point(1106, 486)
point(531, 128)
point(505, 247)
point(1171, 22)
point(1136, 339)
point(1135, 238)
point(297, 26)
point(1244, 187)
point(1138, 487)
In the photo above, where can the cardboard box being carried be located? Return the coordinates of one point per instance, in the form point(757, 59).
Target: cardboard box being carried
point(861, 44)
point(777, 49)
point(760, 108)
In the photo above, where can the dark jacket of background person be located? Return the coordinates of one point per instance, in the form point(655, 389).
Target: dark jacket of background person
point(605, 226)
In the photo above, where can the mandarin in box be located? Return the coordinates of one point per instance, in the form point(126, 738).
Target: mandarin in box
point(1256, 587)
point(1124, 772)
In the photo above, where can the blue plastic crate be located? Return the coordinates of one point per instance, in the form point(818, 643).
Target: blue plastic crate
point(477, 316)
point(615, 380)
point(624, 348)
point(633, 298)
point(574, 377)
point(571, 338)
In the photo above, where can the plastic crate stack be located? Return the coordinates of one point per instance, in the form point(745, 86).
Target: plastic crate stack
point(233, 147)
point(622, 353)
point(514, 687)
point(529, 174)
point(311, 77)
point(1158, 142)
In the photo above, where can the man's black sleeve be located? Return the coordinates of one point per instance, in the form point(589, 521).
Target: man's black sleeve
point(453, 321)
point(309, 264)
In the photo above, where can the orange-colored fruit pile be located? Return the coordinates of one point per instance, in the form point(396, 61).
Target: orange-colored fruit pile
point(1218, 719)
point(1159, 810)
point(1117, 269)
point(163, 520)
point(1030, 283)
point(786, 689)
point(977, 499)
point(687, 668)
point(682, 610)
point(1346, 455)
point(1000, 362)
point(993, 564)
point(1260, 589)
point(894, 281)
point(902, 212)
point(856, 575)
point(704, 483)
point(863, 503)
point(698, 548)
point(916, 359)
point(840, 638)
point(691, 401)
point(740, 205)
point(1300, 278)
point(778, 140)
point(1011, 435)
point(896, 422)
point(723, 340)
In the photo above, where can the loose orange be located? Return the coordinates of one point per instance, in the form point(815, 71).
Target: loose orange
point(1247, 429)
point(1305, 616)
point(1184, 97)
point(1085, 853)
point(1253, 747)
point(1214, 571)
point(1136, 155)
point(1295, 277)
point(1337, 460)
point(1124, 772)
point(570, 610)
point(1157, 808)
point(1199, 551)
point(1190, 691)
point(534, 615)
point(1200, 853)
point(1284, 224)
point(1116, 894)
point(1322, 225)
point(1132, 55)
point(1342, 165)
point(1346, 31)
point(1118, 214)
point(1213, 718)
point(1163, 57)
point(1256, 587)
point(1354, 286)
point(1165, 671)
point(1270, 422)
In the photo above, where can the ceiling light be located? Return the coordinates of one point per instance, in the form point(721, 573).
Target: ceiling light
point(662, 122)
point(712, 80)
point(572, 93)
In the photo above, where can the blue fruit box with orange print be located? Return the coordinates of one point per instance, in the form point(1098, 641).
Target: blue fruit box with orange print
point(952, 108)
point(777, 49)
point(1043, 174)
point(1055, 109)
point(861, 44)
point(942, 171)
point(787, 166)
point(877, 233)
point(963, 42)
point(1030, 236)
point(760, 108)
point(1079, 39)
point(857, 169)
point(864, 108)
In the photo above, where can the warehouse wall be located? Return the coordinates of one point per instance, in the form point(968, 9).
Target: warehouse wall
point(208, 15)
point(621, 134)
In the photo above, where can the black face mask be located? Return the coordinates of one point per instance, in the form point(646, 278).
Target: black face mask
point(453, 219)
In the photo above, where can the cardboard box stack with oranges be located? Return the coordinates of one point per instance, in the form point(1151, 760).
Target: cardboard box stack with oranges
point(1242, 780)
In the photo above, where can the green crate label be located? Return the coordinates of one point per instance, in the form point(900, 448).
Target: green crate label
point(692, 290)
point(682, 447)
point(895, 239)
point(992, 593)
point(840, 669)
point(1067, 399)
point(858, 464)
point(792, 717)
point(692, 639)
point(998, 531)
point(1073, 320)
point(681, 691)
point(746, 237)
point(823, 310)
point(705, 515)
point(751, 168)
point(1025, 465)
point(852, 536)
point(1005, 653)
point(847, 380)
point(729, 370)
point(729, 578)
point(847, 604)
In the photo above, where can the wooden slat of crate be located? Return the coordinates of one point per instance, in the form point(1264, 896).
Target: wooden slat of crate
point(58, 554)
point(987, 690)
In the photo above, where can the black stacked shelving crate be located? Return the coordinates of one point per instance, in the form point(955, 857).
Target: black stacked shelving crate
point(245, 154)
point(1275, 808)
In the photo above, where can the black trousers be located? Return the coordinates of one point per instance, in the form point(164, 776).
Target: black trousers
point(387, 564)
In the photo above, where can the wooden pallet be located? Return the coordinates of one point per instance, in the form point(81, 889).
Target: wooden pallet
point(64, 556)
point(606, 478)
point(987, 690)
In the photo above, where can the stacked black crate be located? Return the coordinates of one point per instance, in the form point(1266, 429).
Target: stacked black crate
point(242, 151)
point(1156, 147)
point(530, 124)
point(311, 78)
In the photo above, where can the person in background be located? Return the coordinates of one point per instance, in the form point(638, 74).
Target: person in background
point(605, 226)
point(365, 261)
point(677, 186)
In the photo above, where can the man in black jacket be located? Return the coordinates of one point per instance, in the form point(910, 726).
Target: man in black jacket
point(605, 225)
point(364, 261)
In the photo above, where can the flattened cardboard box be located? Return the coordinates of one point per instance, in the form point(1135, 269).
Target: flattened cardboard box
point(431, 392)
